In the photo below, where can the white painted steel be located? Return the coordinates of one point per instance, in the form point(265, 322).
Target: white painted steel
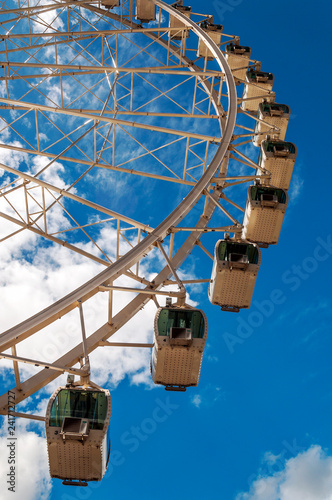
point(87, 290)
point(160, 232)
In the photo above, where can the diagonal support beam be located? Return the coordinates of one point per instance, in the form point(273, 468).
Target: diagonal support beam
point(74, 197)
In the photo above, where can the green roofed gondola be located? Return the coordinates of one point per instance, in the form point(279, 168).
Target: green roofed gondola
point(264, 214)
point(77, 421)
point(273, 121)
point(145, 10)
point(180, 336)
point(258, 88)
point(214, 31)
point(234, 272)
point(238, 58)
point(277, 158)
point(174, 22)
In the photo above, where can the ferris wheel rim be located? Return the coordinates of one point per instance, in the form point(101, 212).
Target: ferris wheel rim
point(125, 262)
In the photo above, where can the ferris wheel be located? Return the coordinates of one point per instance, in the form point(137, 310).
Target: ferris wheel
point(131, 133)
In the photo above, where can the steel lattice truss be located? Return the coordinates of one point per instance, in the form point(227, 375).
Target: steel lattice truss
point(92, 101)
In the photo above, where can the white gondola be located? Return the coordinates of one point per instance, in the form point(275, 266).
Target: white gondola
point(174, 22)
point(77, 421)
point(180, 336)
point(110, 4)
point(145, 10)
point(238, 57)
point(278, 158)
point(214, 31)
point(258, 84)
point(276, 115)
point(264, 214)
point(234, 272)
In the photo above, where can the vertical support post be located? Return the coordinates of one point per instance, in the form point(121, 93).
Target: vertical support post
point(138, 240)
point(118, 240)
point(16, 371)
point(130, 10)
point(110, 305)
point(26, 201)
point(37, 130)
point(171, 245)
point(85, 350)
point(44, 209)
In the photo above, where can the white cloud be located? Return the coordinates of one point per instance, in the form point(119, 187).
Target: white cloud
point(46, 22)
point(307, 476)
point(31, 482)
point(295, 188)
point(196, 400)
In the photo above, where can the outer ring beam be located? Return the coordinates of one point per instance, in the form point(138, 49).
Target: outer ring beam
point(67, 303)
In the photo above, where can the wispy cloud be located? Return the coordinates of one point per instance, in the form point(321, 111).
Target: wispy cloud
point(196, 400)
point(307, 476)
point(296, 188)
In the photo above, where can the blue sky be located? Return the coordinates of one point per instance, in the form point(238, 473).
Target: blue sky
point(258, 424)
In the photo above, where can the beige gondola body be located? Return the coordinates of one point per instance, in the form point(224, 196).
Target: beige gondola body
point(258, 88)
point(277, 158)
point(180, 337)
point(264, 214)
point(77, 420)
point(174, 22)
point(145, 10)
point(274, 120)
point(214, 31)
point(234, 273)
point(238, 57)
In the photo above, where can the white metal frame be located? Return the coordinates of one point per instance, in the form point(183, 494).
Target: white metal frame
point(211, 184)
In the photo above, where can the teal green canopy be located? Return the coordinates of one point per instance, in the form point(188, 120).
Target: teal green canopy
point(231, 46)
point(182, 318)
point(79, 403)
point(266, 106)
point(269, 146)
point(257, 191)
point(252, 73)
point(217, 27)
point(227, 247)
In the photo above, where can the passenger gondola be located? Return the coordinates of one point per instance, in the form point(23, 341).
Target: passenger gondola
point(264, 214)
point(174, 22)
point(77, 421)
point(110, 4)
point(278, 158)
point(214, 31)
point(276, 115)
point(234, 272)
point(258, 84)
point(145, 10)
point(180, 336)
point(238, 57)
